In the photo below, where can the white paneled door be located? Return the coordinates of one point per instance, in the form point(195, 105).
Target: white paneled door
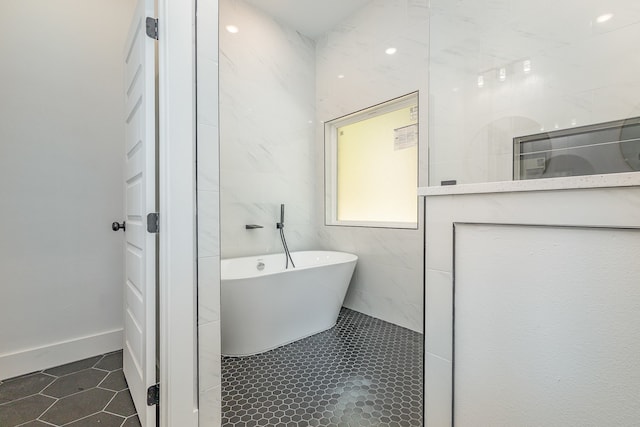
point(140, 189)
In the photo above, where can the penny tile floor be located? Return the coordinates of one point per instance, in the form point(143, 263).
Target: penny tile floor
point(362, 372)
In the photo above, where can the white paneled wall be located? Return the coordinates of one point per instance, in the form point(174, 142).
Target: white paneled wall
point(616, 207)
point(388, 280)
point(208, 186)
point(267, 133)
point(553, 343)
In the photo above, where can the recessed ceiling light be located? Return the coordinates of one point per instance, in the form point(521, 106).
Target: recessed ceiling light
point(232, 29)
point(391, 51)
point(341, 76)
point(604, 18)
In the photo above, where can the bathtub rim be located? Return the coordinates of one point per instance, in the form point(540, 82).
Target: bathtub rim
point(349, 258)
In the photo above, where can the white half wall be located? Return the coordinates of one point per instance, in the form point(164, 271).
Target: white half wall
point(598, 207)
point(61, 161)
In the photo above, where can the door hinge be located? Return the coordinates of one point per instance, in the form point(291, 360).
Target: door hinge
point(153, 395)
point(153, 222)
point(152, 28)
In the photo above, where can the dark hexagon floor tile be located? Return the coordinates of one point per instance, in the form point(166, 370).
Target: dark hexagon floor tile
point(23, 386)
point(122, 404)
point(24, 410)
point(100, 419)
point(115, 381)
point(362, 372)
point(77, 406)
point(72, 367)
point(111, 361)
point(132, 422)
point(74, 383)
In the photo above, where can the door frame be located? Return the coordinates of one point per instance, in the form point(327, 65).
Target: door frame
point(177, 195)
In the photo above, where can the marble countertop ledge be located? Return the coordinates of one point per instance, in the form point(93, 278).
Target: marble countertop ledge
point(629, 179)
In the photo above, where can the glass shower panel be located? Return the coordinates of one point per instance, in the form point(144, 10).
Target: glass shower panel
point(507, 69)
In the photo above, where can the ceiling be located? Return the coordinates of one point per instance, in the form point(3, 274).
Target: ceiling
point(309, 17)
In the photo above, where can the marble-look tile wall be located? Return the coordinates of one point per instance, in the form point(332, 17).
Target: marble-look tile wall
point(562, 68)
point(208, 187)
point(387, 283)
point(267, 93)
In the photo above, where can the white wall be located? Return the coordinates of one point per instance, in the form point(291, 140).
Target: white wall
point(61, 159)
point(266, 133)
point(387, 283)
point(580, 73)
point(577, 207)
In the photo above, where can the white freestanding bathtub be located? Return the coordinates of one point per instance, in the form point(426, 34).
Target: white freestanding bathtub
point(264, 306)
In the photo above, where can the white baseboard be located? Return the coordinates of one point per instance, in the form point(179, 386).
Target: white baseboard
point(35, 359)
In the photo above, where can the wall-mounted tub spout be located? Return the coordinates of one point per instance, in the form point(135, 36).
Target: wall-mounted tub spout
point(280, 226)
point(252, 226)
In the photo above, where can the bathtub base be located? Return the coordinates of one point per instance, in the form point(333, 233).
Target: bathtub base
point(264, 312)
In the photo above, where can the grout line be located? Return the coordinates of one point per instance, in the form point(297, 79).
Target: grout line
point(83, 418)
point(30, 421)
point(108, 389)
point(55, 400)
point(119, 415)
point(110, 400)
point(72, 394)
point(25, 397)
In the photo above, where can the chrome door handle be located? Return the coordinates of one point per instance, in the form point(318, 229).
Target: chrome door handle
point(117, 226)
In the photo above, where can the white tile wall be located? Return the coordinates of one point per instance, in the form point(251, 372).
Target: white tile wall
point(209, 356)
point(208, 289)
point(209, 370)
point(575, 77)
point(388, 279)
point(267, 133)
point(209, 413)
point(208, 224)
point(272, 79)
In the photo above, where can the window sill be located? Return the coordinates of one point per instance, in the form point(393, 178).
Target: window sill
point(374, 224)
